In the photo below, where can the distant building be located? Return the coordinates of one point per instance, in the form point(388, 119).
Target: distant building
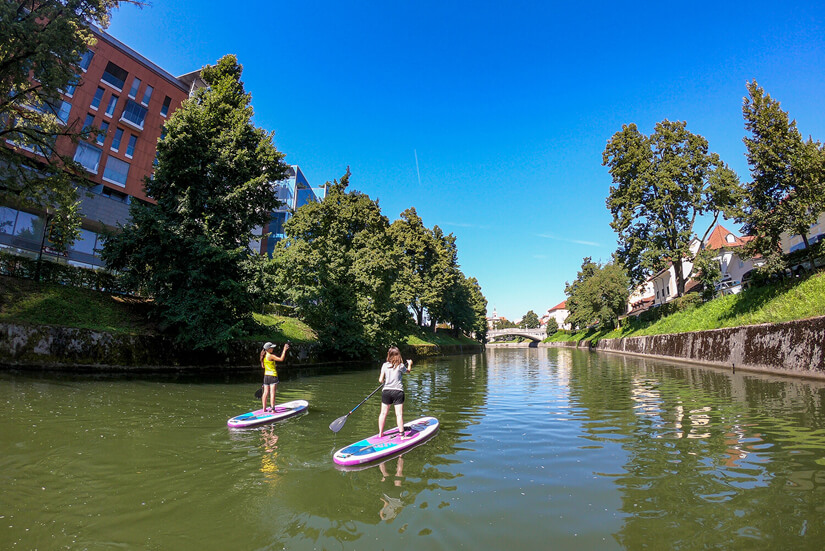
point(642, 297)
point(294, 192)
point(493, 321)
point(559, 312)
point(816, 233)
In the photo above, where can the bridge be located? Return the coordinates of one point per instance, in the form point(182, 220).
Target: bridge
point(537, 334)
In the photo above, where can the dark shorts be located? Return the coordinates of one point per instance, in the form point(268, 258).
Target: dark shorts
point(392, 397)
point(270, 380)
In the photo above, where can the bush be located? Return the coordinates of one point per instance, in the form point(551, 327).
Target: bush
point(63, 274)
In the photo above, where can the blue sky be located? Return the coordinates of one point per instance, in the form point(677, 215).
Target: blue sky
point(507, 105)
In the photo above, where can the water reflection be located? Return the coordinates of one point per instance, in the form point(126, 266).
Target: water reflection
point(391, 505)
point(707, 451)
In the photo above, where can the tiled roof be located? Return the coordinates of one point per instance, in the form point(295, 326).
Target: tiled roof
point(559, 306)
point(718, 239)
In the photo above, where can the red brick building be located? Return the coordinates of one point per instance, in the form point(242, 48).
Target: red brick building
point(129, 98)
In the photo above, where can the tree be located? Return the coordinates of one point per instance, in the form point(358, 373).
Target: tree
point(41, 44)
point(338, 266)
point(787, 190)
point(418, 256)
point(552, 327)
point(598, 296)
point(212, 185)
point(708, 272)
point(530, 320)
point(662, 184)
point(466, 308)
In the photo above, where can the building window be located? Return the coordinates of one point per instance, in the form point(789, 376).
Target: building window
point(110, 107)
point(114, 76)
point(130, 148)
point(88, 156)
point(134, 114)
point(135, 85)
point(63, 111)
point(69, 90)
point(164, 110)
point(86, 60)
point(104, 126)
point(147, 95)
point(116, 171)
point(116, 139)
point(89, 122)
point(7, 218)
point(85, 242)
point(97, 98)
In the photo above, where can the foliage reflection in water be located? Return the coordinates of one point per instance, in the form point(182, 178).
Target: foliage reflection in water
point(537, 448)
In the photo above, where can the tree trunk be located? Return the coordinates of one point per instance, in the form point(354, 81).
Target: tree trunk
point(680, 281)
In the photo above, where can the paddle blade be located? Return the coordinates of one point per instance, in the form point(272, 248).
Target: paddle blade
point(259, 392)
point(336, 425)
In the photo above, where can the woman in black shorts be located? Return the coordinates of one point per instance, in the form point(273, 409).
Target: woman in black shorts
point(393, 394)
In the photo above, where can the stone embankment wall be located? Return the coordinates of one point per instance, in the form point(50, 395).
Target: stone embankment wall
point(793, 348)
point(65, 348)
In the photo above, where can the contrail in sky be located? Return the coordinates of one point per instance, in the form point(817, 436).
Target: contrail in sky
point(416, 166)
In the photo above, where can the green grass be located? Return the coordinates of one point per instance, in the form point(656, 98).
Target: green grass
point(51, 304)
point(770, 304)
point(280, 329)
point(440, 339)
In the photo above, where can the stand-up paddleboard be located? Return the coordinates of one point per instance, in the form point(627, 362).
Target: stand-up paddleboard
point(373, 448)
point(261, 417)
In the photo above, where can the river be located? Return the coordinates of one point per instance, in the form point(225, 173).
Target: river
point(538, 449)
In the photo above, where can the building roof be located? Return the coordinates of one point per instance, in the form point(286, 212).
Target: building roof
point(721, 237)
point(559, 306)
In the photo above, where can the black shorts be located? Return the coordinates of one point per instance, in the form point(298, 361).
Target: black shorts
point(392, 397)
point(270, 380)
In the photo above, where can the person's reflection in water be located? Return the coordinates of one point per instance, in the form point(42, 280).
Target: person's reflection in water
point(270, 453)
point(391, 505)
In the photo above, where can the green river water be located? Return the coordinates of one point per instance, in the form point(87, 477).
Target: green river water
point(538, 449)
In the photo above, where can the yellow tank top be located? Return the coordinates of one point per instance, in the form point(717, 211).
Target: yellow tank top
point(269, 367)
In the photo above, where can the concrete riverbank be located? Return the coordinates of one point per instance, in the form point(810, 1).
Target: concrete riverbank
point(793, 348)
point(70, 349)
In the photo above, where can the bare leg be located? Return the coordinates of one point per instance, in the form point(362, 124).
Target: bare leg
point(272, 390)
point(399, 417)
point(263, 396)
point(381, 418)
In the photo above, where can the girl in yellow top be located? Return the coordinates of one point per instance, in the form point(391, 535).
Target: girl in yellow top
point(268, 359)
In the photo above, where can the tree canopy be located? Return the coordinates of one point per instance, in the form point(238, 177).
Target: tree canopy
point(338, 266)
point(662, 183)
point(787, 188)
point(598, 296)
point(530, 320)
point(212, 184)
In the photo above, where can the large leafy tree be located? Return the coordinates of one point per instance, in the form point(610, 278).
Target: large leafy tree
point(530, 320)
point(787, 190)
point(212, 185)
point(662, 184)
point(338, 265)
point(41, 44)
point(466, 308)
point(598, 296)
point(418, 256)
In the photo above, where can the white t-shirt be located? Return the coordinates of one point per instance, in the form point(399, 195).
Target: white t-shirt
point(392, 376)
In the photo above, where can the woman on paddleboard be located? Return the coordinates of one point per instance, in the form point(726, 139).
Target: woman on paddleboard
point(268, 359)
point(393, 394)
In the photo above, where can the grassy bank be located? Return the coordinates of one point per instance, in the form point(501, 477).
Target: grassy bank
point(770, 304)
point(24, 301)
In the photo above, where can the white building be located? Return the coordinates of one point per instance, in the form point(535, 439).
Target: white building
point(559, 312)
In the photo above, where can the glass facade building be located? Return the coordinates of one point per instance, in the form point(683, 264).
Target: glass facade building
point(293, 193)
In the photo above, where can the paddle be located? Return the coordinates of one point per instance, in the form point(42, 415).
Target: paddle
point(336, 425)
point(259, 393)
